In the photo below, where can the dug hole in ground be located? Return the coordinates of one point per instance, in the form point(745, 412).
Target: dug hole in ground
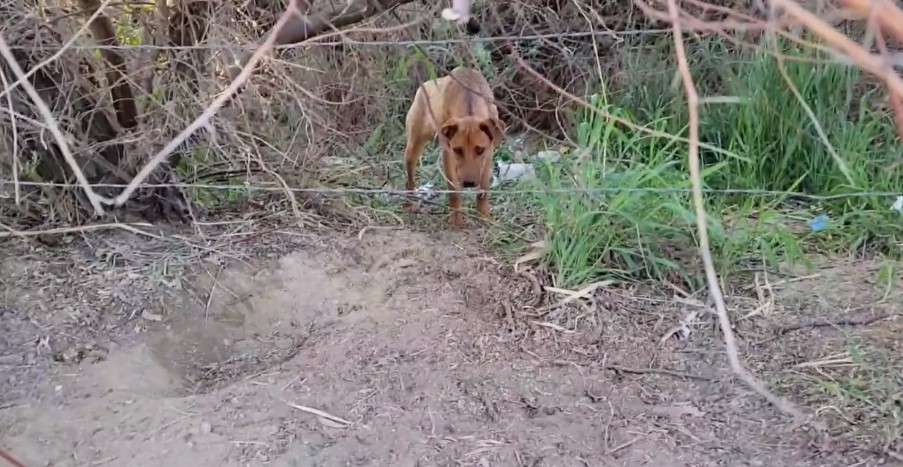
point(386, 347)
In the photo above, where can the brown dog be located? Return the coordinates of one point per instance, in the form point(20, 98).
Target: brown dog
point(458, 108)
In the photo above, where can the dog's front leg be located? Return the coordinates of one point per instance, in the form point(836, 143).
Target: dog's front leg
point(483, 195)
point(454, 205)
point(454, 196)
point(413, 150)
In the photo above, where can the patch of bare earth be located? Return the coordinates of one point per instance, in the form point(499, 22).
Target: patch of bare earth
point(389, 348)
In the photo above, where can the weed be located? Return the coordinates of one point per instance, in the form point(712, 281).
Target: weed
point(633, 231)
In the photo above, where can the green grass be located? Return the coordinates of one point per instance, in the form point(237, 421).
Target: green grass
point(209, 198)
point(617, 205)
point(636, 229)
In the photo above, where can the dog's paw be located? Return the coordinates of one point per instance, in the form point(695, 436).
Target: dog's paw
point(457, 221)
point(483, 211)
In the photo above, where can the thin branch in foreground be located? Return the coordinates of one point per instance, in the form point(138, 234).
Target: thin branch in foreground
point(54, 128)
point(701, 225)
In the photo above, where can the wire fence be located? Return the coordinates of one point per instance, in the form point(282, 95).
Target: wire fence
point(504, 190)
point(331, 38)
point(892, 58)
point(250, 47)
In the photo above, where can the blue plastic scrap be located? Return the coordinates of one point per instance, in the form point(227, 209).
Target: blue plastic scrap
point(818, 223)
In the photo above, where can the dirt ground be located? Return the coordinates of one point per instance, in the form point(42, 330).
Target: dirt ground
point(395, 348)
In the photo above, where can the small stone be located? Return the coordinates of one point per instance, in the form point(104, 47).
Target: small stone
point(206, 427)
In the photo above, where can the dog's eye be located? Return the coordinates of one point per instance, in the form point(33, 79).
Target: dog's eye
point(479, 150)
point(459, 152)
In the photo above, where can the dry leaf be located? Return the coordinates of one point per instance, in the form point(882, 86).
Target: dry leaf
point(538, 250)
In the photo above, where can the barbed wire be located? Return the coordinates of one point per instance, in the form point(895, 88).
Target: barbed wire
point(375, 43)
point(535, 191)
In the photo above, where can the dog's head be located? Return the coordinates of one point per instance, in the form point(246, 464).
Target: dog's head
point(471, 141)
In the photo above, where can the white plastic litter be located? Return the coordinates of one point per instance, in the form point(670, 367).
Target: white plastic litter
point(505, 172)
point(898, 205)
point(427, 191)
point(460, 11)
point(509, 171)
point(551, 156)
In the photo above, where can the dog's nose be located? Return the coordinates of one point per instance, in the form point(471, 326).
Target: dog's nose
point(468, 184)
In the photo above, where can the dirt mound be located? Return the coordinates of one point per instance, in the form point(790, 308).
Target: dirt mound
point(383, 349)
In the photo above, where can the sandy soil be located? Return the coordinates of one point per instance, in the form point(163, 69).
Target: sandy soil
point(392, 348)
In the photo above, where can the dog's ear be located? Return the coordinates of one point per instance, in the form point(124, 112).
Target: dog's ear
point(450, 129)
point(494, 128)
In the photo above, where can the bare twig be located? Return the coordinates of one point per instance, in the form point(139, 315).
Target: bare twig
point(658, 371)
point(54, 128)
point(702, 224)
point(81, 31)
point(10, 232)
point(844, 321)
point(319, 413)
point(204, 119)
point(888, 15)
point(894, 454)
point(15, 131)
point(398, 192)
point(247, 70)
point(841, 42)
point(12, 460)
point(893, 99)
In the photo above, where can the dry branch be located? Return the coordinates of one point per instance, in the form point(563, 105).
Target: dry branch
point(81, 31)
point(889, 16)
point(292, 27)
point(844, 44)
point(881, 17)
point(896, 105)
point(702, 224)
point(54, 128)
